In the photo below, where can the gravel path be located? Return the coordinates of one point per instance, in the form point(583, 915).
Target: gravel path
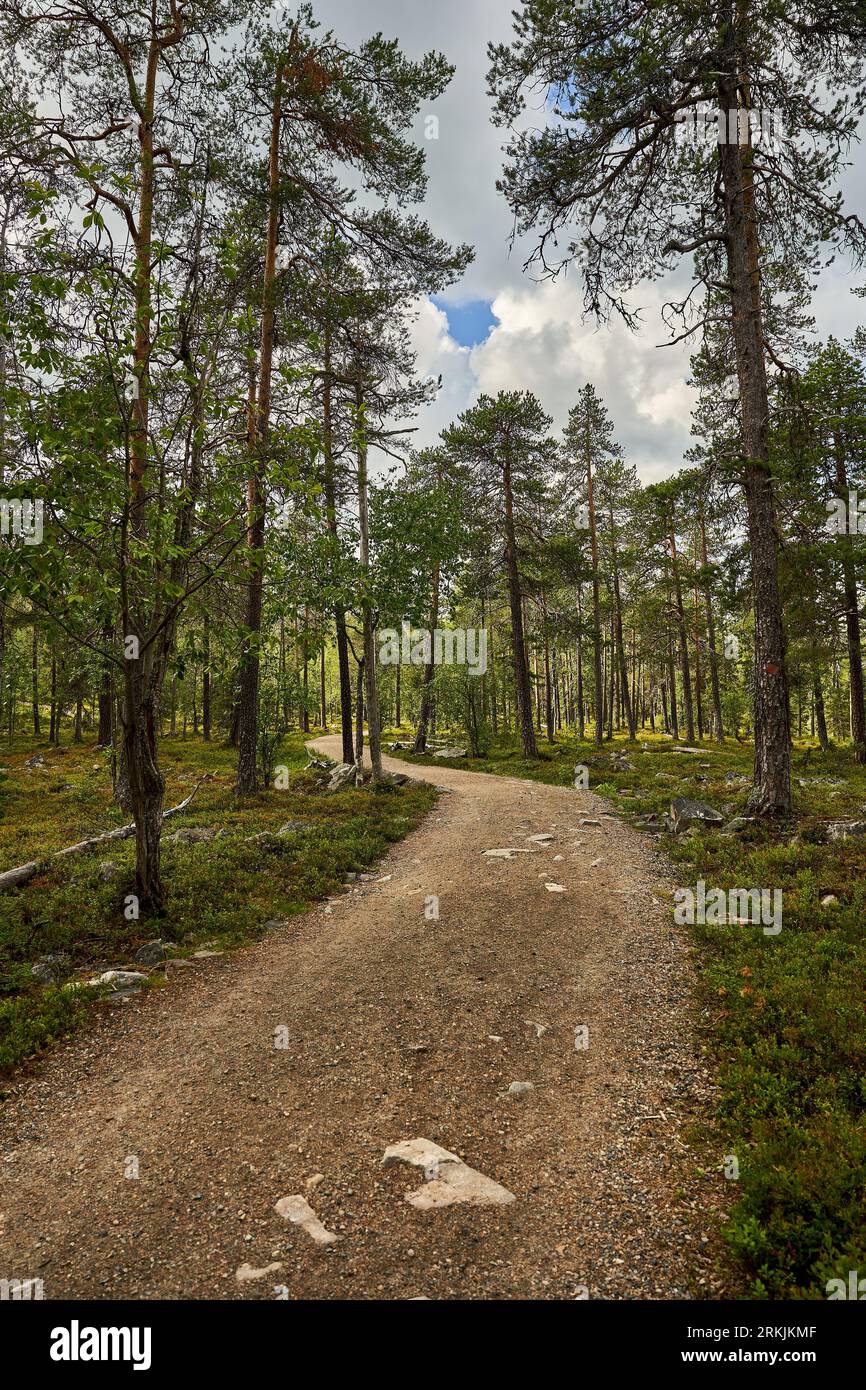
point(396, 1026)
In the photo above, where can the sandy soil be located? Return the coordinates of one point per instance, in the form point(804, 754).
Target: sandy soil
point(397, 1026)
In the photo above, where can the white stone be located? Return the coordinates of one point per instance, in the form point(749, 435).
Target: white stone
point(119, 979)
point(298, 1210)
point(246, 1273)
point(449, 1179)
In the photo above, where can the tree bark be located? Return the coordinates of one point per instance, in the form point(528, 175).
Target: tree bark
point(374, 728)
point(259, 421)
point(718, 725)
point(518, 642)
point(688, 709)
point(771, 791)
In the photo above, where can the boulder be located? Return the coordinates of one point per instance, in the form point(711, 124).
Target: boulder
point(686, 812)
point(738, 825)
point(846, 830)
point(152, 953)
point(450, 753)
point(120, 979)
point(52, 969)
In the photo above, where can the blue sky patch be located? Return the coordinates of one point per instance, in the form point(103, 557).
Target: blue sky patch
point(468, 324)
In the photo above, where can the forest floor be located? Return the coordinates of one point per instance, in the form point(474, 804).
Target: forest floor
point(144, 1158)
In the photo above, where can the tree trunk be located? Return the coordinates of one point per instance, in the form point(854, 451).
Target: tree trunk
point(581, 717)
point(683, 640)
point(820, 715)
point(374, 728)
point(521, 673)
point(596, 603)
point(628, 704)
point(718, 726)
point(258, 430)
point(771, 792)
point(852, 615)
point(358, 750)
point(34, 676)
point(205, 685)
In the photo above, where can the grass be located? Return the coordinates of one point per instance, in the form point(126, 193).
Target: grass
point(221, 891)
point(782, 1018)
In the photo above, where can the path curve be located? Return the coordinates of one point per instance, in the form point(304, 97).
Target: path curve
point(399, 1026)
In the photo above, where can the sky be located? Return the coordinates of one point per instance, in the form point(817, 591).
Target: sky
point(502, 329)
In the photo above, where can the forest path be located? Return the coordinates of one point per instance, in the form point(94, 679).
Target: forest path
point(398, 1026)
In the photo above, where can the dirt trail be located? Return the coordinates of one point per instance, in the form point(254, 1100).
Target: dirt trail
point(398, 1026)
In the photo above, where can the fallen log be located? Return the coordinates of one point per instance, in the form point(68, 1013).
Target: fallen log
point(14, 878)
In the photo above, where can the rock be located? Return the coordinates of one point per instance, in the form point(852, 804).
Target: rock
point(554, 887)
point(152, 953)
point(400, 747)
point(191, 835)
point(298, 1210)
point(246, 1273)
point(686, 812)
point(519, 1088)
point(120, 979)
point(684, 748)
point(62, 787)
point(52, 969)
point(448, 1179)
point(588, 821)
point(846, 830)
point(450, 753)
point(830, 900)
point(275, 923)
point(205, 955)
point(293, 827)
point(738, 825)
point(312, 1183)
point(341, 776)
point(503, 853)
point(266, 839)
point(737, 779)
point(107, 870)
point(539, 839)
point(37, 761)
